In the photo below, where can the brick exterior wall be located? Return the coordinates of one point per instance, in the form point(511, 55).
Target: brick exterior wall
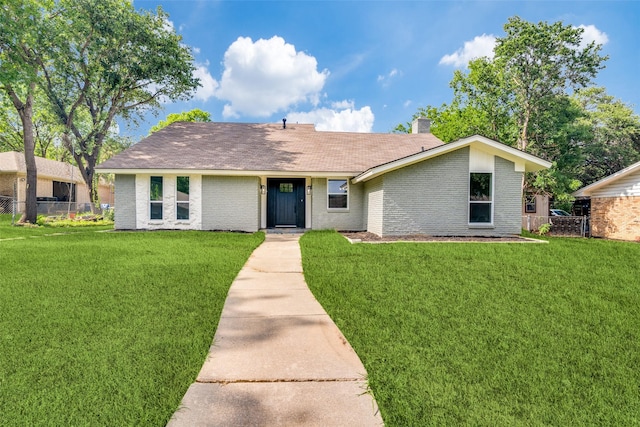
point(323, 218)
point(429, 197)
point(432, 197)
point(125, 202)
point(616, 217)
point(231, 203)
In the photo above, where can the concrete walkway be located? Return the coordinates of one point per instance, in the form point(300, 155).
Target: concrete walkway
point(277, 358)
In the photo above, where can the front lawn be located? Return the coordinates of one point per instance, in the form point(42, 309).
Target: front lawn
point(488, 334)
point(109, 328)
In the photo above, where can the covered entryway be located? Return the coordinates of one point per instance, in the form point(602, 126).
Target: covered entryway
point(285, 202)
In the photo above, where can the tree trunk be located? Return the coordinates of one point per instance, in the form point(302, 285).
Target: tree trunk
point(25, 110)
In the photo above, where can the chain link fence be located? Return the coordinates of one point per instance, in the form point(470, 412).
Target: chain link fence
point(560, 225)
point(6, 205)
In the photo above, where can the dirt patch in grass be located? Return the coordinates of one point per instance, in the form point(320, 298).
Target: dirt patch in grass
point(366, 237)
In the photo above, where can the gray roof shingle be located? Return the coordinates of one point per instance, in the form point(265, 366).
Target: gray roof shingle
point(266, 147)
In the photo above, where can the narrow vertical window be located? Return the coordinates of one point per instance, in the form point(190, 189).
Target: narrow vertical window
point(337, 194)
point(155, 198)
point(182, 197)
point(480, 198)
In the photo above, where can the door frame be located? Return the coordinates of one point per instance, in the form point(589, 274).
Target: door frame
point(299, 186)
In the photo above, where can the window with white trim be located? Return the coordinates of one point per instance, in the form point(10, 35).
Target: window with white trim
point(480, 198)
point(182, 197)
point(337, 194)
point(155, 197)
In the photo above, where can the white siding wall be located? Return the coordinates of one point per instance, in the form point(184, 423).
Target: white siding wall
point(374, 195)
point(627, 186)
point(168, 221)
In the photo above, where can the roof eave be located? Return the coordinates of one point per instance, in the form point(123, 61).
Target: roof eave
point(589, 189)
point(531, 163)
point(224, 172)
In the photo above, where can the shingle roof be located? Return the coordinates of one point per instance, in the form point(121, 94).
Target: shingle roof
point(13, 162)
point(266, 147)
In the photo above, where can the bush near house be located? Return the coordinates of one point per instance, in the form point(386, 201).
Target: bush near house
point(488, 334)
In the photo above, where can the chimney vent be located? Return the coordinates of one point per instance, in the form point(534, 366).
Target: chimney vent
point(284, 123)
point(421, 125)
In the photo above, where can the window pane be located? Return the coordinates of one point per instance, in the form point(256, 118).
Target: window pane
point(182, 211)
point(183, 188)
point(156, 188)
point(286, 187)
point(338, 186)
point(156, 210)
point(480, 187)
point(338, 201)
point(480, 212)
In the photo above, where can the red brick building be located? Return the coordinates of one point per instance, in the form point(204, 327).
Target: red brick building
point(615, 205)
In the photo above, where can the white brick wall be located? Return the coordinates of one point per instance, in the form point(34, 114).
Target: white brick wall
point(125, 202)
point(169, 220)
point(323, 218)
point(231, 203)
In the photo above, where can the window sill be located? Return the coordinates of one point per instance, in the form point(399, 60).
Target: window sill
point(479, 225)
point(333, 210)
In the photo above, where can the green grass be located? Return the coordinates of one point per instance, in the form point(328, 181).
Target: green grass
point(7, 231)
point(109, 328)
point(488, 334)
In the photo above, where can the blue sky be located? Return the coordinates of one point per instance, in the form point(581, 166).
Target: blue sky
point(366, 65)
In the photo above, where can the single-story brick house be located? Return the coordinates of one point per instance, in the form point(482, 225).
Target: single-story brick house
point(239, 176)
point(615, 204)
point(57, 182)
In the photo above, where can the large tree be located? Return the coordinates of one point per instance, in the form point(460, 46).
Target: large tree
point(613, 142)
point(521, 97)
point(195, 115)
point(24, 28)
point(109, 60)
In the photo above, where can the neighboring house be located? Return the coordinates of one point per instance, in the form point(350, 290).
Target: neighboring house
point(234, 176)
point(615, 204)
point(57, 182)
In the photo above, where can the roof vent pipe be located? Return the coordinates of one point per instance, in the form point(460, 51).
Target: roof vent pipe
point(284, 123)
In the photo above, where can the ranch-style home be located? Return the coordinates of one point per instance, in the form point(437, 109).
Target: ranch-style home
point(59, 184)
point(615, 204)
point(246, 177)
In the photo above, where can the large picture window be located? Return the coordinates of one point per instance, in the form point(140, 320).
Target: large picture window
point(182, 197)
point(480, 198)
point(338, 194)
point(155, 198)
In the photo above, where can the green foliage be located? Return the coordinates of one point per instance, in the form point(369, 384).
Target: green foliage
point(94, 60)
point(544, 229)
point(488, 334)
point(521, 97)
point(195, 115)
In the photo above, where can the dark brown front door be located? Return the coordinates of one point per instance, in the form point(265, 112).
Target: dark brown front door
point(285, 202)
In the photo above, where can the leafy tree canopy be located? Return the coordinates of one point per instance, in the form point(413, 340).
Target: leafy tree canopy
point(195, 115)
point(535, 94)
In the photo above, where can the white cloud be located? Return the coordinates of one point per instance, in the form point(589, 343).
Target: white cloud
point(208, 84)
point(196, 50)
point(347, 120)
point(478, 47)
point(385, 79)
point(592, 34)
point(267, 76)
point(407, 103)
point(342, 104)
